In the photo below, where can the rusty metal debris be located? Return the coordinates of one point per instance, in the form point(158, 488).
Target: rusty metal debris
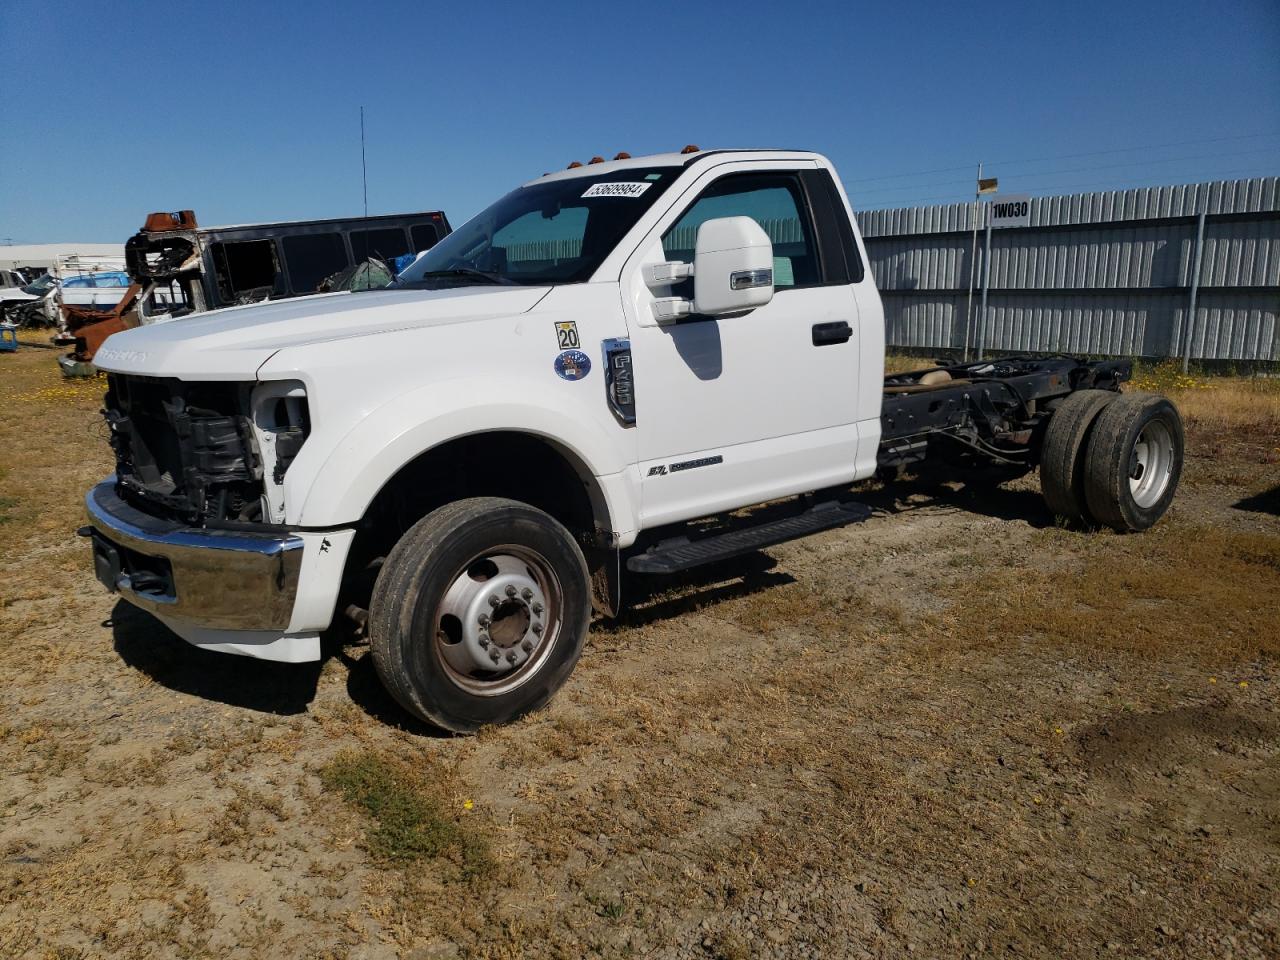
point(177, 268)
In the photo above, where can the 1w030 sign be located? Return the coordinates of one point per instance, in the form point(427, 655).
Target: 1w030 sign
point(1011, 212)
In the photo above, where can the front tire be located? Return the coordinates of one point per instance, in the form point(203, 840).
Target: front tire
point(479, 613)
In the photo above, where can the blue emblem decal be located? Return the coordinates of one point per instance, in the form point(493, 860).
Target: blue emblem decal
point(573, 365)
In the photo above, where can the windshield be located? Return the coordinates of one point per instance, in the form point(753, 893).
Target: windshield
point(554, 232)
point(38, 287)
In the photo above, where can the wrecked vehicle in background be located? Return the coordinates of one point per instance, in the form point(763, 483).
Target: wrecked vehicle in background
point(12, 281)
point(204, 268)
point(176, 268)
point(15, 296)
point(90, 282)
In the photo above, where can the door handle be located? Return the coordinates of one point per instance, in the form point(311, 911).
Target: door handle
point(837, 332)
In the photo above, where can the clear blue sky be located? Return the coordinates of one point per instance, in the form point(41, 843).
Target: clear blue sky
point(250, 111)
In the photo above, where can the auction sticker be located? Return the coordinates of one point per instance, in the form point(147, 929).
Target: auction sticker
point(629, 189)
point(573, 365)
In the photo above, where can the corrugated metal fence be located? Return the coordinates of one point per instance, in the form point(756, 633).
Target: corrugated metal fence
point(1098, 273)
point(685, 237)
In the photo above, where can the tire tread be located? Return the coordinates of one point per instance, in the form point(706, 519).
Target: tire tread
point(1062, 454)
point(396, 594)
point(1106, 463)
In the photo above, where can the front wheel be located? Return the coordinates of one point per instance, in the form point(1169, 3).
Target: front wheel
point(479, 613)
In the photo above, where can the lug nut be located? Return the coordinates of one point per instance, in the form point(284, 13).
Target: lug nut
point(484, 639)
point(484, 619)
point(527, 646)
point(537, 607)
point(511, 657)
point(494, 655)
point(537, 628)
point(511, 590)
point(493, 600)
point(527, 593)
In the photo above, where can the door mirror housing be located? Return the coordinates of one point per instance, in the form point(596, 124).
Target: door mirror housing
point(732, 267)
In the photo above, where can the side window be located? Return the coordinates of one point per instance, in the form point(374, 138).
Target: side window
point(424, 236)
point(773, 200)
point(244, 267)
point(383, 243)
point(839, 253)
point(313, 257)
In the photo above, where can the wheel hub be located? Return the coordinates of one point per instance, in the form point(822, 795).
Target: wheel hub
point(1151, 464)
point(492, 618)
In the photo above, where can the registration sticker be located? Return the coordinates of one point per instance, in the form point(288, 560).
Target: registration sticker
point(629, 189)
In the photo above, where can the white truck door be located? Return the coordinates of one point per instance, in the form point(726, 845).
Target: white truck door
point(737, 410)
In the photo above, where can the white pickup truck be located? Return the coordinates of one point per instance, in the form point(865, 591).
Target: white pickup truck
point(465, 463)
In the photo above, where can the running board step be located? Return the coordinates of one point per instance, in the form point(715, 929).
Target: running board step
point(672, 556)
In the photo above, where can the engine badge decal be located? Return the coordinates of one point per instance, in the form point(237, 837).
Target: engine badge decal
point(694, 464)
point(662, 469)
point(573, 365)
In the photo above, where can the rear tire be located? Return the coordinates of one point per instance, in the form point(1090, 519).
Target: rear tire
point(479, 613)
point(1062, 454)
point(1134, 462)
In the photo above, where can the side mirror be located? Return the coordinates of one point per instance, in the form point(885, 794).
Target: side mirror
point(732, 267)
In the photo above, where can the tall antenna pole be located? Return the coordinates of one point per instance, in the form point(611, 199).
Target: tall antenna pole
point(364, 170)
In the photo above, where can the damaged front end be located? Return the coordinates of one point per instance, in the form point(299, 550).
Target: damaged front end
point(204, 453)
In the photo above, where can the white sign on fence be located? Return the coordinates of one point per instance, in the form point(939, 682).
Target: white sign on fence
point(1011, 212)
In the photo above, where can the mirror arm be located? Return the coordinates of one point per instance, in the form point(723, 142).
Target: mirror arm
point(666, 309)
point(665, 274)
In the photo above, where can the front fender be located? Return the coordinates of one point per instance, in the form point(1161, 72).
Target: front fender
point(335, 487)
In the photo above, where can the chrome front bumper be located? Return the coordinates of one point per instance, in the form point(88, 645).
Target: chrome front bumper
point(230, 580)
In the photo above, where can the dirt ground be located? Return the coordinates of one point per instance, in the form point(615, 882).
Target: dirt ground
point(955, 731)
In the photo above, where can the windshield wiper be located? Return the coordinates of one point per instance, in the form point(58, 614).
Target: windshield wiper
point(469, 273)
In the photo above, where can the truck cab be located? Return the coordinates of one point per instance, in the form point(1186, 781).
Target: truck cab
point(460, 462)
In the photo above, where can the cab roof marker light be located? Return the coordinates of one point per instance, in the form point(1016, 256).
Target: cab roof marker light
point(596, 160)
point(691, 148)
point(622, 155)
point(574, 165)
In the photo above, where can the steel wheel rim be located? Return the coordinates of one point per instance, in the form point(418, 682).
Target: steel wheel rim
point(1151, 464)
point(506, 601)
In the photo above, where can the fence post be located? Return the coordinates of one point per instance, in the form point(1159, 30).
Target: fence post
point(986, 282)
point(973, 267)
point(1195, 288)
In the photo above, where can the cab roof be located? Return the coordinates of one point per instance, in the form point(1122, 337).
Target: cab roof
point(666, 160)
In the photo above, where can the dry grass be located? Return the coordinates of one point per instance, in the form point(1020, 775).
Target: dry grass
point(1250, 404)
point(901, 363)
point(954, 730)
point(1149, 597)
